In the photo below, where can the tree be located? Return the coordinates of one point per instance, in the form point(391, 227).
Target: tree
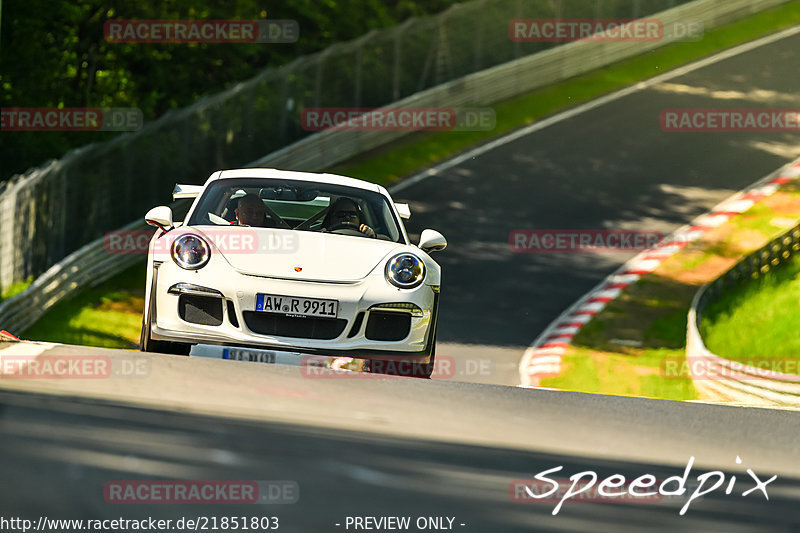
point(54, 54)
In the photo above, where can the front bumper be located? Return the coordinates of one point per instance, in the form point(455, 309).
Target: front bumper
point(236, 322)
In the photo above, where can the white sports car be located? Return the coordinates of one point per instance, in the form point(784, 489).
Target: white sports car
point(297, 262)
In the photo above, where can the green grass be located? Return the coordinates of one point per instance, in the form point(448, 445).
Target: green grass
point(639, 375)
point(758, 319)
point(669, 330)
point(16, 288)
point(389, 163)
point(761, 319)
point(698, 260)
point(96, 316)
point(754, 219)
point(108, 315)
point(597, 366)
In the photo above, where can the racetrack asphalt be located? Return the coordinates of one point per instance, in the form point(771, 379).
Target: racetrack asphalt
point(380, 447)
point(608, 168)
point(360, 446)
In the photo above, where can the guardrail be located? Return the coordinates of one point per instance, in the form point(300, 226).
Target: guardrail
point(314, 152)
point(86, 267)
point(720, 379)
point(69, 203)
point(508, 80)
point(461, 57)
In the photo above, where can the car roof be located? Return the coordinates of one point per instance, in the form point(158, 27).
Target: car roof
point(273, 173)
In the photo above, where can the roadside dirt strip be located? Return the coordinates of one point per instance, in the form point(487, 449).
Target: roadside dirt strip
point(543, 357)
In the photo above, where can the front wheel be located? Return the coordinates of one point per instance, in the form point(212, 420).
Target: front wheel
point(147, 344)
point(403, 368)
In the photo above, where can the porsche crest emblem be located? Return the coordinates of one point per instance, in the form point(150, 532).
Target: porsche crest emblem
point(298, 269)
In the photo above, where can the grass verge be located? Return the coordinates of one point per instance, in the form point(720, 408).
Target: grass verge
point(16, 288)
point(109, 315)
point(90, 319)
point(624, 349)
point(388, 163)
point(758, 319)
point(620, 374)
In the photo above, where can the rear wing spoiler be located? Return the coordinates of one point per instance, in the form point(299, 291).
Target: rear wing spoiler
point(186, 191)
point(403, 210)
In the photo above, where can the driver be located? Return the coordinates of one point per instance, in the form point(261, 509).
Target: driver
point(250, 211)
point(346, 211)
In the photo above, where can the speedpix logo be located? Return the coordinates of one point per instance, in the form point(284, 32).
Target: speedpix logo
point(645, 487)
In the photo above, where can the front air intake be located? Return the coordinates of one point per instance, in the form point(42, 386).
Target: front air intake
point(203, 310)
point(297, 327)
point(388, 326)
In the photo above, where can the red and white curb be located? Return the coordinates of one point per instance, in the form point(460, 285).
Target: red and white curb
point(543, 357)
point(6, 336)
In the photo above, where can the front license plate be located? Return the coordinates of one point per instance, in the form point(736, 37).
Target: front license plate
point(238, 354)
point(289, 305)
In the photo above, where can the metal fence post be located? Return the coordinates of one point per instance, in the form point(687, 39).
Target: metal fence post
point(284, 103)
point(318, 78)
point(358, 79)
point(197, 136)
point(398, 51)
point(478, 50)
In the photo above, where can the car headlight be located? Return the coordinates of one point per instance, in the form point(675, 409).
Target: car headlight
point(190, 251)
point(405, 271)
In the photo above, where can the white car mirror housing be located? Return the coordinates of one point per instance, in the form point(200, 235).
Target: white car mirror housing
point(404, 210)
point(160, 217)
point(432, 241)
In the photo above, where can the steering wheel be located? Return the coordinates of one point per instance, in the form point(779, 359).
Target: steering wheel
point(278, 220)
point(346, 228)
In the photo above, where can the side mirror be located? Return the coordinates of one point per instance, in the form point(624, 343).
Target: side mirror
point(432, 241)
point(160, 217)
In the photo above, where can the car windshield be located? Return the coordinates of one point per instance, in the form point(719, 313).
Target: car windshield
point(297, 205)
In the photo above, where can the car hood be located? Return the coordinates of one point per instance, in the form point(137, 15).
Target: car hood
point(301, 255)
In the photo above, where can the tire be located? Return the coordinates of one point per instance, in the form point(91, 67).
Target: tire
point(147, 344)
point(392, 368)
point(395, 368)
point(425, 370)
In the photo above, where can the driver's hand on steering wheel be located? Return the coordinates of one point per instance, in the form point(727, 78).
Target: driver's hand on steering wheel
point(366, 230)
